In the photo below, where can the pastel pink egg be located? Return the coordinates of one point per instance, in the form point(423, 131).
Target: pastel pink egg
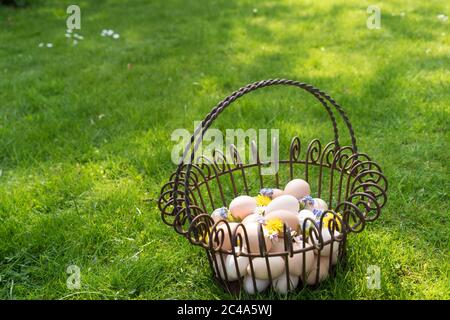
point(242, 206)
point(283, 202)
point(298, 188)
point(289, 218)
point(254, 234)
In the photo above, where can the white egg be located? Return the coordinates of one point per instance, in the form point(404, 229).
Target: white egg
point(219, 214)
point(230, 266)
point(242, 206)
point(296, 261)
point(276, 265)
point(283, 202)
point(298, 188)
point(280, 284)
point(316, 203)
point(249, 286)
point(323, 270)
point(303, 215)
point(326, 236)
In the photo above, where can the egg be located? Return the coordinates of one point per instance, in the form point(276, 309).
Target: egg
point(242, 206)
point(219, 267)
point(219, 214)
point(280, 284)
point(254, 217)
point(289, 218)
point(249, 287)
point(222, 232)
point(326, 236)
point(253, 234)
point(298, 188)
point(230, 266)
point(296, 261)
point(278, 246)
point(323, 270)
point(283, 202)
point(303, 215)
point(276, 193)
point(316, 203)
point(276, 265)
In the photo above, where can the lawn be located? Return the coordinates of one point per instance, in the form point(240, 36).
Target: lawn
point(85, 135)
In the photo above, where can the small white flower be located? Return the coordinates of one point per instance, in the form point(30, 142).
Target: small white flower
point(68, 35)
point(255, 10)
point(49, 45)
point(110, 32)
point(442, 17)
point(41, 45)
point(116, 36)
point(69, 31)
point(80, 38)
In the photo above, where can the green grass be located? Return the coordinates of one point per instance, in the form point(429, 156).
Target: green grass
point(85, 141)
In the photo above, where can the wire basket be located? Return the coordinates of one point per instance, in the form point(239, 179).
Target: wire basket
point(353, 186)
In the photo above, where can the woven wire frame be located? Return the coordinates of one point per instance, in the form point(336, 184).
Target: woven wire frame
point(353, 186)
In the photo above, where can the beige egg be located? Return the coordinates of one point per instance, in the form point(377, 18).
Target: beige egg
point(230, 266)
point(296, 261)
point(289, 218)
point(276, 193)
point(317, 204)
point(303, 215)
point(280, 284)
point(254, 217)
point(253, 234)
point(226, 235)
point(283, 202)
point(242, 206)
point(276, 265)
point(298, 188)
point(326, 236)
point(249, 285)
point(278, 246)
point(323, 270)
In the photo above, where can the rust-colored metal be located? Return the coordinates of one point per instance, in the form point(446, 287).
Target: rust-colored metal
point(353, 184)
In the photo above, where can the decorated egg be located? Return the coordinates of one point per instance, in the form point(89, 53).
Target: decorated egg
point(289, 218)
point(222, 237)
point(276, 265)
point(249, 285)
point(296, 261)
point(242, 206)
point(253, 234)
point(283, 202)
point(303, 215)
point(298, 188)
point(280, 284)
point(323, 270)
point(230, 266)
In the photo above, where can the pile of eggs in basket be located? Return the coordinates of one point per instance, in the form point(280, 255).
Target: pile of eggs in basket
point(272, 211)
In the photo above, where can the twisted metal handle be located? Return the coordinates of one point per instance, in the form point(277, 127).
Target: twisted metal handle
point(199, 132)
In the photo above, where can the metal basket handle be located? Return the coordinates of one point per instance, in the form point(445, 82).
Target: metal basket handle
point(323, 98)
